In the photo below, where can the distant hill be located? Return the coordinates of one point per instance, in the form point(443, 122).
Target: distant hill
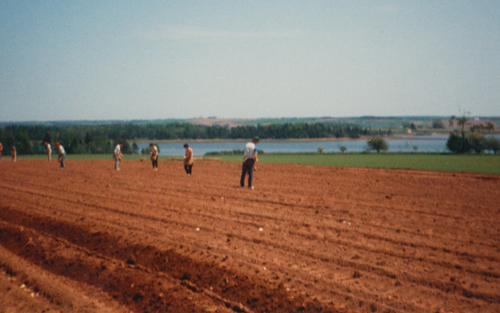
point(376, 122)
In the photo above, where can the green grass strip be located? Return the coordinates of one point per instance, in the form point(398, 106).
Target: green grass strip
point(484, 163)
point(475, 163)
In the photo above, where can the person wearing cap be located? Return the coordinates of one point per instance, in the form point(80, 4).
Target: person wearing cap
point(249, 161)
point(62, 154)
point(154, 156)
point(188, 160)
point(48, 150)
point(118, 155)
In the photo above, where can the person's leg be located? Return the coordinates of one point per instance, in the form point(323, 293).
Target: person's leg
point(243, 174)
point(190, 169)
point(116, 163)
point(250, 172)
point(62, 161)
point(186, 168)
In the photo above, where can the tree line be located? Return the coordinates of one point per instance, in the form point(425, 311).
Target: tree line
point(461, 141)
point(98, 139)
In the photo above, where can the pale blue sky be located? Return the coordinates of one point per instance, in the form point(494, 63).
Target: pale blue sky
point(97, 60)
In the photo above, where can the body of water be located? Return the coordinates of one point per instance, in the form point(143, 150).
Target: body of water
point(435, 143)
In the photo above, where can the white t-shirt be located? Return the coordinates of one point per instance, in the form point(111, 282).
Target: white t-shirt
point(250, 149)
point(48, 147)
point(61, 150)
point(117, 150)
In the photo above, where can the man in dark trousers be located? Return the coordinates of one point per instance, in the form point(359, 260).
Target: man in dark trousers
point(249, 161)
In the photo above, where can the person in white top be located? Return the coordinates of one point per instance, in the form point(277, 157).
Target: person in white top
point(118, 155)
point(62, 154)
point(249, 160)
point(48, 150)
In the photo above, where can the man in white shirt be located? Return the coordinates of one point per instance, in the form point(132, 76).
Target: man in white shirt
point(118, 155)
point(48, 151)
point(62, 154)
point(249, 160)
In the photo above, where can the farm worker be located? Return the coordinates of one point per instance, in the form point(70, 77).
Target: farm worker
point(249, 160)
point(62, 154)
point(154, 156)
point(1, 149)
point(118, 155)
point(13, 153)
point(188, 160)
point(48, 150)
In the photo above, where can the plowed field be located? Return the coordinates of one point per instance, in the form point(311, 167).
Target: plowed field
point(306, 239)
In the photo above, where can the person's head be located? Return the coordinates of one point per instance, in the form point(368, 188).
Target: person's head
point(121, 144)
point(256, 139)
point(151, 145)
point(45, 143)
point(186, 146)
point(57, 144)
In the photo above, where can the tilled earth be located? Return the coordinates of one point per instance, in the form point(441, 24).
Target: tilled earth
point(306, 239)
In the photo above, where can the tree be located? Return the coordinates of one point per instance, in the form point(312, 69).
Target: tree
point(23, 142)
point(377, 143)
point(135, 148)
point(477, 142)
point(461, 121)
point(88, 138)
point(47, 138)
point(457, 144)
point(343, 149)
point(437, 123)
point(493, 144)
point(320, 149)
point(489, 126)
point(126, 148)
point(452, 121)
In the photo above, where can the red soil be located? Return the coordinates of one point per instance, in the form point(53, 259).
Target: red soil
point(91, 239)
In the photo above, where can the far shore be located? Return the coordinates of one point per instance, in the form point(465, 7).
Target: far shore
point(182, 141)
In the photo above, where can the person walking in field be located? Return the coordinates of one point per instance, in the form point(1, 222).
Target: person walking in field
point(118, 155)
point(249, 161)
point(1, 149)
point(154, 156)
point(48, 150)
point(62, 154)
point(188, 160)
point(13, 153)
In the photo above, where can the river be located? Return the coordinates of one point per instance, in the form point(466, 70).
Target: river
point(402, 143)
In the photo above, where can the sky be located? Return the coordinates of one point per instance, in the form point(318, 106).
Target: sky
point(129, 60)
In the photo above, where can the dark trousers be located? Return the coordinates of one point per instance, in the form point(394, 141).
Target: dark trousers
point(155, 163)
point(188, 168)
point(247, 167)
